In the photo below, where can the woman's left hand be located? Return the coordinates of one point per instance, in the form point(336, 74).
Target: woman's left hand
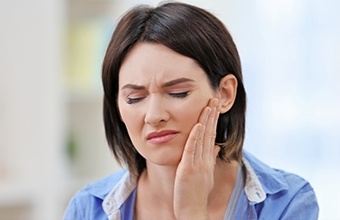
point(195, 173)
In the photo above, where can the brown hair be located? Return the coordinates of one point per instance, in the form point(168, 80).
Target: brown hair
point(192, 32)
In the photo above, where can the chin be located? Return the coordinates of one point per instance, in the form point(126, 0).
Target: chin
point(169, 154)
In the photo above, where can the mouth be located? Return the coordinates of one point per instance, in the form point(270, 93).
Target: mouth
point(161, 136)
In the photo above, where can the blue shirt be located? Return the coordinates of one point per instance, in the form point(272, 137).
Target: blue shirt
point(268, 194)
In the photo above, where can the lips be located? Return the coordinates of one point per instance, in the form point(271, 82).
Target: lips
point(161, 136)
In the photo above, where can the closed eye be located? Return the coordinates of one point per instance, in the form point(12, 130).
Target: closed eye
point(179, 94)
point(133, 100)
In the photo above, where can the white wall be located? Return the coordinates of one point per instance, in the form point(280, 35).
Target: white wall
point(32, 103)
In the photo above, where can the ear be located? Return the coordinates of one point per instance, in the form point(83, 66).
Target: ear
point(227, 92)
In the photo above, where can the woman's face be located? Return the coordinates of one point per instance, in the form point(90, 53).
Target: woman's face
point(161, 95)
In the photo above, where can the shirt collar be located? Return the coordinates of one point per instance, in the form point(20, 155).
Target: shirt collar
point(253, 187)
point(118, 195)
point(101, 188)
point(261, 179)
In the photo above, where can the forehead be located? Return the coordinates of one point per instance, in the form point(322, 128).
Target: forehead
point(155, 62)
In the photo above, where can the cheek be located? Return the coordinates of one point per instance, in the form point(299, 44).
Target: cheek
point(128, 115)
point(189, 112)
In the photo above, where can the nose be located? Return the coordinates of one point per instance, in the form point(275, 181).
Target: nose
point(156, 113)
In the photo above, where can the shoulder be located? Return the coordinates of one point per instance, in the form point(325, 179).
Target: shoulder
point(287, 195)
point(274, 180)
point(103, 186)
point(88, 200)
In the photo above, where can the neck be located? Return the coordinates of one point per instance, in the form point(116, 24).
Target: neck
point(158, 182)
point(224, 182)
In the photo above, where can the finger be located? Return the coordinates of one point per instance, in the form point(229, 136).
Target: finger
point(210, 129)
point(204, 119)
point(191, 147)
point(217, 115)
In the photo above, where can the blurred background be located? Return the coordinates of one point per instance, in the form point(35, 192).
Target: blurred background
point(51, 133)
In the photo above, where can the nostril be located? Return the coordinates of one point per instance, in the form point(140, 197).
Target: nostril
point(154, 118)
point(155, 111)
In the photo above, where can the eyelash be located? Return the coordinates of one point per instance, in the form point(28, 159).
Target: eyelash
point(133, 100)
point(179, 95)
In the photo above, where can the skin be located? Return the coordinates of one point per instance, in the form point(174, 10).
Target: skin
point(161, 90)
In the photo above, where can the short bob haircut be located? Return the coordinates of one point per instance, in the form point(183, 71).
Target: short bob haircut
point(192, 32)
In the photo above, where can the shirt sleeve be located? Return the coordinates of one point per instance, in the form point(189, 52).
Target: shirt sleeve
point(302, 206)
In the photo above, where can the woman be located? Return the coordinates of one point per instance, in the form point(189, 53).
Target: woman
point(174, 113)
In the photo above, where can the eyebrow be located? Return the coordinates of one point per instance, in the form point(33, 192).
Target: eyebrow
point(166, 84)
